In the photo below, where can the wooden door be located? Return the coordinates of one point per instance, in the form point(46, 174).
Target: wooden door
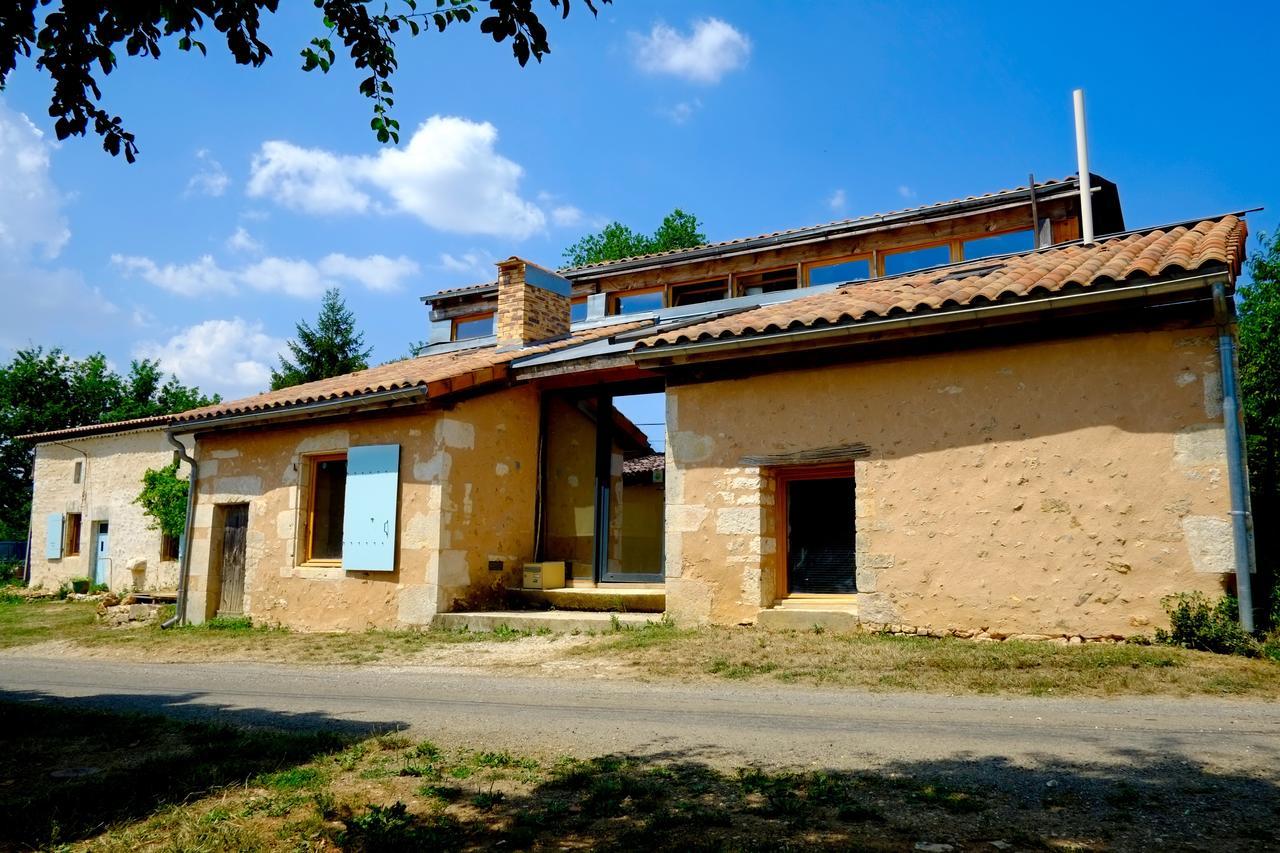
point(231, 573)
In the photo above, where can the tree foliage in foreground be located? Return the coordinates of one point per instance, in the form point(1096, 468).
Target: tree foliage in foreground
point(164, 499)
point(75, 40)
point(333, 347)
point(42, 391)
point(1259, 330)
point(679, 230)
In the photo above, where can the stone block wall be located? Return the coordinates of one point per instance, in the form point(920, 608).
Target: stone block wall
point(111, 477)
point(466, 499)
point(1056, 488)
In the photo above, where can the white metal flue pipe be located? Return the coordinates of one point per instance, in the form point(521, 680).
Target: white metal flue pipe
point(1082, 164)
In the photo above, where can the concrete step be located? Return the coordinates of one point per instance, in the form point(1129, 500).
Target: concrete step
point(556, 621)
point(617, 599)
point(807, 618)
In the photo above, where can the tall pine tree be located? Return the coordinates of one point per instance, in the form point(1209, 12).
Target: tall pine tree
point(332, 348)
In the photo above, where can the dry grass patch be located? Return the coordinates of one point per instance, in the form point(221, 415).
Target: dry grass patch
point(881, 662)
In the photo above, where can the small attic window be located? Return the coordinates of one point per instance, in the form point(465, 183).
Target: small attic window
point(696, 293)
point(475, 326)
point(999, 244)
point(639, 302)
point(757, 283)
point(834, 272)
point(578, 310)
point(79, 471)
point(916, 259)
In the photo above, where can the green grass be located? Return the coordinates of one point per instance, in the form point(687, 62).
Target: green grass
point(111, 782)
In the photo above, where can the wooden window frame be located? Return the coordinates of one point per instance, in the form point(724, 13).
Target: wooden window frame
point(807, 267)
point(952, 245)
point(71, 543)
point(468, 318)
point(668, 298)
point(737, 288)
point(782, 477)
point(616, 296)
point(77, 474)
point(308, 530)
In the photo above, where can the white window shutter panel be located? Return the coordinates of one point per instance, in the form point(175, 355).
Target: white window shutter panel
point(53, 536)
point(369, 516)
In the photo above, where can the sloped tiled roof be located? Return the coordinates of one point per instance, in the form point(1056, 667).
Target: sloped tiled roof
point(155, 421)
point(642, 465)
point(440, 373)
point(1121, 260)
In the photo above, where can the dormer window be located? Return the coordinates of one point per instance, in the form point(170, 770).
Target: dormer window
point(475, 326)
point(999, 244)
point(837, 271)
point(896, 263)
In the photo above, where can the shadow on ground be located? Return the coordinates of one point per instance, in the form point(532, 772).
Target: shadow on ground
point(67, 770)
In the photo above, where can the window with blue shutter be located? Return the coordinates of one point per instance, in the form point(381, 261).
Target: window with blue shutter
point(369, 513)
point(53, 536)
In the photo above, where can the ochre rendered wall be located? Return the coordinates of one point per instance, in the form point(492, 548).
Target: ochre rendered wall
point(467, 485)
point(1049, 488)
point(111, 478)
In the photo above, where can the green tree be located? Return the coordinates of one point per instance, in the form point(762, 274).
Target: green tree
point(679, 230)
point(164, 498)
point(332, 348)
point(47, 390)
point(1259, 330)
point(73, 40)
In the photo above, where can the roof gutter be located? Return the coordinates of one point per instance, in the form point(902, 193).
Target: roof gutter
point(835, 335)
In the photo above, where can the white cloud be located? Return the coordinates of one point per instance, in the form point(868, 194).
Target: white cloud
point(906, 192)
point(202, 277)
point(566, 216)
point(683, 111)
point(448, 175)
point(243, 241)
point(711, 50)
point(30, 205)
point(42, 304)
point(306, 179)
point(290, 276)
point(475, 264)
point(211, 179)
point(376, 272)
point(232, 357)
point(838, 201)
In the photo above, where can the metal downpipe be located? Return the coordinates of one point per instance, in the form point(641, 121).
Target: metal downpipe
point(1237, 470)
point(184, 566)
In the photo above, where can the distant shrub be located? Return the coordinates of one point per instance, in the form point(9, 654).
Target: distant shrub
point(81, 585)
point(1197, 623)
point(229, 623)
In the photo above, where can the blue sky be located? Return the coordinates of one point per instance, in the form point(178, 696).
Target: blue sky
point(257, 187)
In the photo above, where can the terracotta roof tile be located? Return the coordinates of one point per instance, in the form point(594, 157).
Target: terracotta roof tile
point(154, 421)
point(452, 371)
point(1124, 259)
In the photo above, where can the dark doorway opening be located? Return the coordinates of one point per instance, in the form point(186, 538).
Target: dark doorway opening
point(820, 536)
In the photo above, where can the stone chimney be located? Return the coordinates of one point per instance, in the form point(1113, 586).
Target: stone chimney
point(533, 303)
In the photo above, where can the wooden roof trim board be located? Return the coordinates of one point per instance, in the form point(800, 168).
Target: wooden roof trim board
point(1121, 260)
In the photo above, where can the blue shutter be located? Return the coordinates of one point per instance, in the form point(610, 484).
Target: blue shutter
point(53, 536)
point(369, 514)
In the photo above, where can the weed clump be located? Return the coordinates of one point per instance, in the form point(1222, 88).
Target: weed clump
point(1197, 623)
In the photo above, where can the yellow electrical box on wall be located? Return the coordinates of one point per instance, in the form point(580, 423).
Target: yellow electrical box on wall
point(543, 575)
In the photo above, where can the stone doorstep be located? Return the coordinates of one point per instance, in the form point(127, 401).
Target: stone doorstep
point(556, 621)
point(620, 599)
point(805, 618)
